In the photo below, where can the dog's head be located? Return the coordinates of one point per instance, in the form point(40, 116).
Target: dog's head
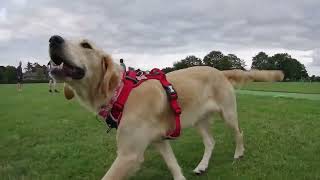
point(84, 67)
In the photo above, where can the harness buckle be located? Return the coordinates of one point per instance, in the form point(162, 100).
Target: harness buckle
point(171, 92)
point(111, 121)
point(135, 81)
point(139, 72)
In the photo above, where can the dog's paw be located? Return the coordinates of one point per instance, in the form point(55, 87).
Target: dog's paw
point(239, 157)
point(199, 171)
point(239, 153)
point(236, 160)
point(180, 178)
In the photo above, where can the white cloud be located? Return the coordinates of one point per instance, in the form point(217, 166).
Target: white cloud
point(3, 15)
point(5, 35)
point(316, 58)
point(44, 22)
point(19, 2)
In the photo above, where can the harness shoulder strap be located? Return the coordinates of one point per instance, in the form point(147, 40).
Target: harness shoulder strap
point(173, 99)
point(114, 117)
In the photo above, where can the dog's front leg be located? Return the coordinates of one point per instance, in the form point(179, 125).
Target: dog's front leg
point(166, 152)
point(123, 166)
point(131, 146)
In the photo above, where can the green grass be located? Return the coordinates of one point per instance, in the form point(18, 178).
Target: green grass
point(43, 136)
point(293, 87)
point(315, 97)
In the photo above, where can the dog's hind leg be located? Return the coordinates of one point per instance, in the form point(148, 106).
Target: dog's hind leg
point(166, 152)
point(230, 116)
point(203, 128)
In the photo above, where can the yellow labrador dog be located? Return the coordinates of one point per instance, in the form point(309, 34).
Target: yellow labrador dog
point(91, 75)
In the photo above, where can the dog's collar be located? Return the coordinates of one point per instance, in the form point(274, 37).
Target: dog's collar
point(105, 108)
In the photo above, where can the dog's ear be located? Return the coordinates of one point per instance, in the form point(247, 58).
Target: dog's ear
point(110, 76)
point(68, 92)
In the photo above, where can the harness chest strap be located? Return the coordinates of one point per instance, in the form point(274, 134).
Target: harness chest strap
point(113, 117)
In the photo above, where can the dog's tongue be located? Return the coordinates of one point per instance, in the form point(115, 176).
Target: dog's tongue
point(68, 70)
point(58, 72)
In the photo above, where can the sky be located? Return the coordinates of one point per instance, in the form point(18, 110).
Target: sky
point(157, 33)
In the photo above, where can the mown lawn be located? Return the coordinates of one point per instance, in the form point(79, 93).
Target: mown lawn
point(293, 87)
point(43, 136)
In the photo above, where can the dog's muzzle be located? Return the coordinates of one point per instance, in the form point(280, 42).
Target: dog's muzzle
point(56, 44)
point(57, 55)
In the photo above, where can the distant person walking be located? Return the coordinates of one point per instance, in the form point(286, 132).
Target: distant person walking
point(52, 82)
point(19, 77)
point(123, 65)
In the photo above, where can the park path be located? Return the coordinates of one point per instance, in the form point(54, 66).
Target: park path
point(315, 97)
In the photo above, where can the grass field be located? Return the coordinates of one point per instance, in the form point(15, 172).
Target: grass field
point(315, 97)
point(293, 87)
point(43, 136)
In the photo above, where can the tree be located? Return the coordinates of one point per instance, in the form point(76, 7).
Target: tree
point(315, 78)
point(167, 69)
point(218, 60)
point(3, 78)
point(236, 63)
point(212, 59)
point(29, 67)
point(292, 68)
point(11, 74)
point(224, 64)
point(189, 61)
point(304, 72)
point(260, 61)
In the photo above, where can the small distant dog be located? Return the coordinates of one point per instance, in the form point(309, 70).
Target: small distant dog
point(92, 76)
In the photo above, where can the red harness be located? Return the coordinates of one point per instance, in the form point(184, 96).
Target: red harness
point(112, 113)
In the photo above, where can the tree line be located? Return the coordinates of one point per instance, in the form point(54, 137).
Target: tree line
point(34, 72)
point(292, 68)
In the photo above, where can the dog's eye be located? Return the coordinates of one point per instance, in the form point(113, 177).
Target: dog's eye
point(86, 45)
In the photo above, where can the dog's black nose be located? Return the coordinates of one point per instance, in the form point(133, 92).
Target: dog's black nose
point(56, 49)
point(57, 40)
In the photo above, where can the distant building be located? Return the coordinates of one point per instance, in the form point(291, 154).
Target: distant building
point(38, 74)
point(30, 75)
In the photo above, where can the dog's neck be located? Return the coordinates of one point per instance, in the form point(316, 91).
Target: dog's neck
point(111, 92)
point(94, 99)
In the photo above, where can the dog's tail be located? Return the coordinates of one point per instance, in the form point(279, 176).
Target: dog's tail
point(239, 77)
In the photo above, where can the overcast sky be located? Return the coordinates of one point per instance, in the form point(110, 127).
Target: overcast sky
point(156, 33)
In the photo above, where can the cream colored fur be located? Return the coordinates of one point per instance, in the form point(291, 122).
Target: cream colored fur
point(147, 116)
point(239, 77)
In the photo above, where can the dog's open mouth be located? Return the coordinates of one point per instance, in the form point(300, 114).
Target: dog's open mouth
point(66, 69)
